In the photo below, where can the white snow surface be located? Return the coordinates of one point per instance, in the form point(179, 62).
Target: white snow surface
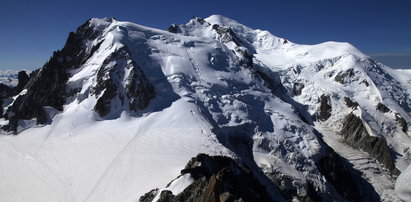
point(403, 185)
point(203, 97)
point(177, 185)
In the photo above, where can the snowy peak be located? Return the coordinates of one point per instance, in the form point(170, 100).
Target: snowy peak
point(269, 49)
point(222, 21)
point(101, 23)
point(149, 100)
point(117, 83)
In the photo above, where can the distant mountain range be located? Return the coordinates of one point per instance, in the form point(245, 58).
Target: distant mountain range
point(210, 110)
point(397, 61)
point(9, 77)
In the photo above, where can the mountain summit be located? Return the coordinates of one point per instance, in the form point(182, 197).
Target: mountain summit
point(209, 110)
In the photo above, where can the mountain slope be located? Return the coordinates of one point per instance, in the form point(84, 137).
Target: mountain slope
point(122, 108)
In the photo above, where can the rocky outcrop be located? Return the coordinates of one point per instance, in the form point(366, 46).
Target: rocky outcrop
point(166, 196)
point(382, 108)
point(48, 86)
point(292, 188)
point(226, 34)
point(117, 89)
point(350, 103)
point(173, 28)
point(247, 58)
point(218, 178)
point(298, 88)
point(199, 20)
point(365, 82)
point(356, 135)
point(149, 196)
point(344, 77)
point(338, 175)
point(23, 79)
point(8, 92)
point(4, 93)
point(403, 123)
point(325, 108)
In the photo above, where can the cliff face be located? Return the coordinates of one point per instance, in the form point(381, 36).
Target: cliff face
point(49, 86)
point(215, 178)
point(356, 135)
point(121, 84)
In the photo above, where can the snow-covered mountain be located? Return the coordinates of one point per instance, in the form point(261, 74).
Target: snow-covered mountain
point(118, 113)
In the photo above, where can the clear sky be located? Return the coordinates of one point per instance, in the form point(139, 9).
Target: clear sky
point(31, 30)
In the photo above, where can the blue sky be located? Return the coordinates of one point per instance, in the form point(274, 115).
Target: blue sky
point(31, 30)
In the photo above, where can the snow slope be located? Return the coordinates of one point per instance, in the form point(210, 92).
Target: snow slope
point(83, 159)
point(210, 98)
point(402, 186)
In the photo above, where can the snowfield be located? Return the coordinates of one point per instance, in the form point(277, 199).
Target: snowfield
point(403, 184)
point(114, 160)
point(208, 99)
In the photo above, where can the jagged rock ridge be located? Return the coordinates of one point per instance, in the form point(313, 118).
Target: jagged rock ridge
point(216, 178)
point(48, 87)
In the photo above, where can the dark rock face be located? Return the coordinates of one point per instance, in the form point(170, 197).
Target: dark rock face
point(350, 103)
point(344, 77)
point(166, 196)
point(199, 20)
point(23, 79)
point(325, 108)
point(227, 180)
point(382, 108)
point(227, 34)
point(135, 95)
point(291, 188)
point(219, 178)
point(1, 108)
point(355, 135)
point(402, 122)
point(7, 92)
point(298, 88)
point(173, 28)
point(48, 87)
point(247, 61)
point(365, 82)
point(194, 191)
point(338, 175)
point(149, 196)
